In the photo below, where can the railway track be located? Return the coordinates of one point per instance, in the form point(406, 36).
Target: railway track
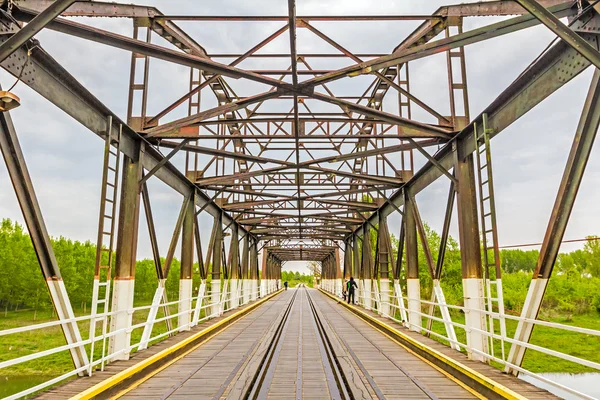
point(252, 374)
point(378, 392)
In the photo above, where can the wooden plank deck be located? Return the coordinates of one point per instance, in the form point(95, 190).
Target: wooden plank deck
point(394, 372)
point(78, 385)
point(517, 385)
point(372, 364)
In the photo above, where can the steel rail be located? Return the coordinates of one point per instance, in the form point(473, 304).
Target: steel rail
point(343, 386)
point(262, 374)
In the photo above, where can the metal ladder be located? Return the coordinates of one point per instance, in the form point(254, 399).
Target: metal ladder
point(489, 232)
point(106, 236)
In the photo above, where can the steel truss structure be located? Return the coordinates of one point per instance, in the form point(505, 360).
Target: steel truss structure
point(307, 183)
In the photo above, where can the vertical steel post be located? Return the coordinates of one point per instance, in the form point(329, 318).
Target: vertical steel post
point(254, 270)
point(563, 205)
point(124, 280)
point(457, 85)
point(367, 267)
point(217, 260)
point(234, 267)
point(385, 259)
point(21, 181)
point(263, 274)
point(413, 285)
point(468, 229)
point(245, 270)
point(338, 273)
point(187, 265)
point(356, 258)
point(348, 270)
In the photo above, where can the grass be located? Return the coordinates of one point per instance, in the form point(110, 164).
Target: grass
point(17, 345)
point(15, 378)
point(571, 343)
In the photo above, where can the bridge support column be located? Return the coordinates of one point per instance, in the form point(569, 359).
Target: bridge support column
point(413, 285)
point(367, 268)
point(234, 267)
point(563, 205)
point(357, 262)
point(384, 263)
point(217, 253)
point(468, 227)
point(186, 271)
point(263, 274)
point(254, 271)
point(325, 274)
point(348, 270)
point(21, 181)
point(245, 270)
point(338, 274)
point(124, 280)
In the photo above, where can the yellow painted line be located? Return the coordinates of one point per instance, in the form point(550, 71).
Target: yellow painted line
point(483, 380)
point(137, 383)
point(106, 384)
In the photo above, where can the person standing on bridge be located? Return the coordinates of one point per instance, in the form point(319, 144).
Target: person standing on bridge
point(351, 285)
point(285, 284)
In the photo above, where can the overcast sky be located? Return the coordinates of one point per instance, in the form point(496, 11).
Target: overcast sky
point(65, 160)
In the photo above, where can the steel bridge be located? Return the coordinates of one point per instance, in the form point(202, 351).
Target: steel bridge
point(292, 170)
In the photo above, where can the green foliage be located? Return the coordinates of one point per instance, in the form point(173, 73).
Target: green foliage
point(294, 278)
point(22, 284)
point(518, 260)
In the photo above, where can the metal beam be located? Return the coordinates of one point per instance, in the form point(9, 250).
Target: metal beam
point(563, 205)
point(545, 76)
point(49, 79)
point(21, 181)
point(562, 31)
point(125, 43)
point(34, 26)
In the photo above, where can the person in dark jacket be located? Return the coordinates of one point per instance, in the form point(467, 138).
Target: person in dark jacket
point(285, 284)
point(351, 285)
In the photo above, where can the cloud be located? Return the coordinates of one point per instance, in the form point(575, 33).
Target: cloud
point(65, 159)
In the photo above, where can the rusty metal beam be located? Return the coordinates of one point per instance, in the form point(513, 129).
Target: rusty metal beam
point(539, 81)
point(33, 27)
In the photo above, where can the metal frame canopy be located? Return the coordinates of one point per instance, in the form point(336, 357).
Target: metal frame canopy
point(311, 174)
point(296, 167)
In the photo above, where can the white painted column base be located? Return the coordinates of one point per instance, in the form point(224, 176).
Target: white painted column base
point(367, 301)
point(401, 303)
point(415, 320)
point(263, 288)
point(246, 291)
point(532, 304)
point(64, 310)
point(122, 303)
point(473, 294)
point(215, 299)
point(338, 287)
point(156, 300)
point(441, 300)
point(235, 294)
point(253, 289)
point(199, 301)
point(384, 293)
point(185, 305)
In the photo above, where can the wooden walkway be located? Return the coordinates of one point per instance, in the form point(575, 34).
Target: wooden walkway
point(303, 345)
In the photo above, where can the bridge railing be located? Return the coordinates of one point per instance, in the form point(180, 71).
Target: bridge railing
point(499, 344)
point(197, 310)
